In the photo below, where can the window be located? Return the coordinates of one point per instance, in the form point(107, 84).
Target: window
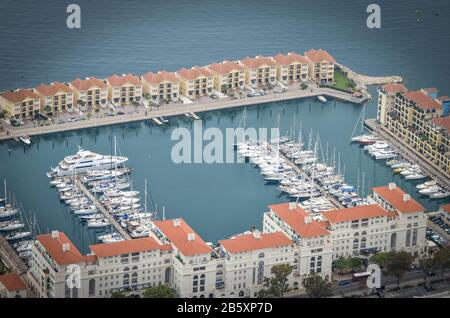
point(92, 287)
point(408, 238)
point(393, 241)
point(414, 237)
point(260, 272)
point(261, 255)
point(167, 275)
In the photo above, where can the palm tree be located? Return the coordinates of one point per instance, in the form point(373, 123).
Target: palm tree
point(97, 110)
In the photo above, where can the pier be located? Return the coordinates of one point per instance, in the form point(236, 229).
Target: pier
point(324, 193)
point(194, 107)
point(102, 209)
point(411, 154)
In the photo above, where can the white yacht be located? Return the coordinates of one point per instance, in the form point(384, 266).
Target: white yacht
point(85, 160)
point(98, 223)
point(25, 139)
point(11, 225)
point(426, 184)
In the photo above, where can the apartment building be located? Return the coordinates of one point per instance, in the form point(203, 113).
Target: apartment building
point(194, 261)
point(249, 258)
point(89, 92)
point(321, 66)
point(12, 286)
point(55, 98)
point(112, 267)
point(444, 213)
point(161, 86)
point(227, 75)
point(407, 221)
point(313, 246)
point(259, 71)
point(195, 82)
point(292, 67)
point(124, 90)
point(21, 103)
point(386, 99)
point(417, 118)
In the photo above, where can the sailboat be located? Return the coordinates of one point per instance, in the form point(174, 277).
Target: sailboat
point(363, 139)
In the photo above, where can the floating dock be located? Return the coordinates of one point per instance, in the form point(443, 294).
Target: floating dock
point(324, 193)
point(410, 154)
point(102, 209)
point(157, 121)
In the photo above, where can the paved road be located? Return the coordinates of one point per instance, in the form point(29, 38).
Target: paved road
point(180, 109)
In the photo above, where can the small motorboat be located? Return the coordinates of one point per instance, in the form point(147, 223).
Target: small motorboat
point(17, 236)
point(440, 195)
point(25, 139)
point(322, 99)
point(426, 184)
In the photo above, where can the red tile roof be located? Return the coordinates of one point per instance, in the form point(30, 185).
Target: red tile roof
point(54, 247)
point(194, 73)
point(422, 100)
point(295, 219)
point(53, 89)
point(161, 76)
point(225, 67)
point(446, 207)
point(443, 98)
point(248, 242)
point(290, 58)
point(125, 247)
point(12, 282)
point(258, 61)
point(394, 88)
point(430, 90)
point(355, 213)
point(178, 236)
point(395, 198)
point(317, 56)
point(86, 84)
point(443, 122)
point(19, 95)
point(116, 80)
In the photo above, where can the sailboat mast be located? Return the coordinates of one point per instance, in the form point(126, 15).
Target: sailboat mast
point(145, 200)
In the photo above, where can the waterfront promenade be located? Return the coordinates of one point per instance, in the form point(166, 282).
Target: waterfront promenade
point(411, 154)
point(180, 109)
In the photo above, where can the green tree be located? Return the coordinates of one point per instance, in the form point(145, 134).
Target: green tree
point(342, 265)
point(380, 259)
point(48, 109)
point(355, 263)
point(316, 286)
point(97, 110)
point(224, 88)
point(442, 259)
point(277, 285)
point(398, 264)
point(428, 265)
point(2, 113)
point(118, 295)
point(160, 291)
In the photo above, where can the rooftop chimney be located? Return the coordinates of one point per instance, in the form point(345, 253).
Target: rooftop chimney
point(55, 234)
point(65, 247)
point(292, 205)
point(257, 234)
point(406, 197)
point(177, 222)
point(191, 237)
point(308, 219)
point(392, 186)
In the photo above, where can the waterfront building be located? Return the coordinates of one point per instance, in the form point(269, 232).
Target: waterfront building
point(124, 90)
point(249, 258)
point(90, 92)
point(444, 213)
point(417, 118)
point(195, 82)
point(161, 86)
point(292, 67)
point(21, 103)
point(321, 66)
point(313, 246)
point(113, 267)
point(386, 99)
point(12, 286)
point(195, 264)
point(227, 75)
point(406, 222)
point(259, 71)
point(55, 98)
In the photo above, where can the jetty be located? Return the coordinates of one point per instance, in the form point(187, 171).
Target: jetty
point(324, 193)
point(102, 209)
point(157, 121)
point(406, 151)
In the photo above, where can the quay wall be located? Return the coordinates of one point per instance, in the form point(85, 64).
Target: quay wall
point(180, 109)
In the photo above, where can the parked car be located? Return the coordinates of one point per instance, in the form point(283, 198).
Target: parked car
point(120, 113)
point(214, 96)
point(344, 282)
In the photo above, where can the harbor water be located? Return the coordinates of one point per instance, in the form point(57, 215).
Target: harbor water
point(217, 200)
